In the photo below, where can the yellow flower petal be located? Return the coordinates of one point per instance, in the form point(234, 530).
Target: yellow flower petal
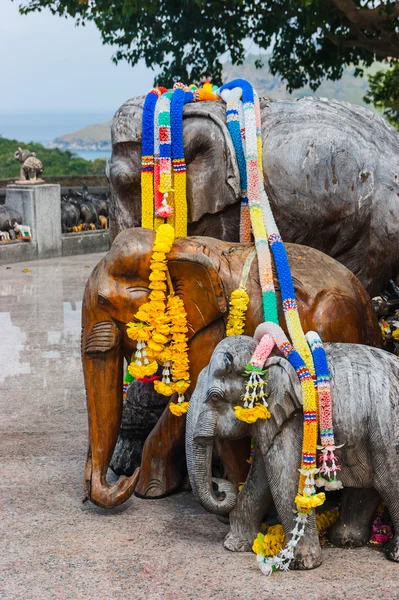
point(163, 388)
point(251, 415)
point(306, 503)
point(179, 408)
point(139, 371)
point(257, 546)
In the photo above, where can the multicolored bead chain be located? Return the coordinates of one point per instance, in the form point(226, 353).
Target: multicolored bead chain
point(327, 476)
point(232, 99)
point(147, 158)
point(244, 123)
point(163, 191)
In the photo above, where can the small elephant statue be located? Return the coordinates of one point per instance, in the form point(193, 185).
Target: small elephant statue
point(9, 218)
point(31, 167)
point(4, 236)
point(365, 401)
point(23, 232)
point(204, 272)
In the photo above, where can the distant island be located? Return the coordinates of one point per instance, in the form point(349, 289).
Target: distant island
point(92, 137)
point(348, 89)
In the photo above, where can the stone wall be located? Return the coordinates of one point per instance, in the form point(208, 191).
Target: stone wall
point(40, 206)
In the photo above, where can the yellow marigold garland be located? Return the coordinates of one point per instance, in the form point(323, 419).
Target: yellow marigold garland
point(239, 301)
point(272, 541)
point(179, 358)
point(160, 329)
point(151, 330)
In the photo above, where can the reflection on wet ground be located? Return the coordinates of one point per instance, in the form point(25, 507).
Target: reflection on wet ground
point(40, 315)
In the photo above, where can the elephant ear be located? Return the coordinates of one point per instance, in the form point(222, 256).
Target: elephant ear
point(197, 282)
point(285, 389)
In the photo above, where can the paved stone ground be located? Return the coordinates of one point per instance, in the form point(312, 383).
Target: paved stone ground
point(53, 546)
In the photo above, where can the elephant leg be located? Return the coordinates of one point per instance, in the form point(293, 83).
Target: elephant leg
point(163, 464)
point(103, 370)
point(252, 504)
point(281, 463)
point(387, 484)
point(353, 526)
point(163, 461)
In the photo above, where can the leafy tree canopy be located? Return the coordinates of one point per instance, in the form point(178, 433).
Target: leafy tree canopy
point(55, 162)
point(384, 93)
point(185, 39)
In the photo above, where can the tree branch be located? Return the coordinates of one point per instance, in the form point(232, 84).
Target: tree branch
point(366, 17)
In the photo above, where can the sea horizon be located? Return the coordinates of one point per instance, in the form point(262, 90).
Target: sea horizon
point(44, 126)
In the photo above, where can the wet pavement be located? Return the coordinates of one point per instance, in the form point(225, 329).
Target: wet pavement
point(54, 546)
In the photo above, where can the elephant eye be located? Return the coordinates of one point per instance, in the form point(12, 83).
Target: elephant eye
point(137, 292)
point(215, 394)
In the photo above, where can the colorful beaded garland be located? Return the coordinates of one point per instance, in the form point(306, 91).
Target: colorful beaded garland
point(147, 159)
point(163, 192)
point(327, 476)
point(232, 99)
point(244, 123)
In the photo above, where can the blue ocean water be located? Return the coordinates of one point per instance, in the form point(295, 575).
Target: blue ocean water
point(44, 127)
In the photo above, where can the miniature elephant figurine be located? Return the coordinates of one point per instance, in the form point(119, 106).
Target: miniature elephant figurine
point(365, 400)
point(8, 219)
point(204, 272)
point(31, 167)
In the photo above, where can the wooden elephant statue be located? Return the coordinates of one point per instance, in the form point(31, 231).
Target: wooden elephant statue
point(204, 272)
point(331, 171)
point(365, 404)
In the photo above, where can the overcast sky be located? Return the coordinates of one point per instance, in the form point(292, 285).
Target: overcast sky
point(46, 63)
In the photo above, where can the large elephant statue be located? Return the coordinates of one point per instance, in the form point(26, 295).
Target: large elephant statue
point(365, 400)
point(331, 171)
point(204, 272)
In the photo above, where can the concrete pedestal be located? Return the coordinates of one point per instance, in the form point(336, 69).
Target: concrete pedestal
point(40, 206)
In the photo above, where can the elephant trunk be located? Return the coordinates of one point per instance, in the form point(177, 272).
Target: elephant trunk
point(199, 445)
point(202, 484)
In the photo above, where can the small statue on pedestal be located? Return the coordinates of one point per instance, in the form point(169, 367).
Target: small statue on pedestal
point(31, 167)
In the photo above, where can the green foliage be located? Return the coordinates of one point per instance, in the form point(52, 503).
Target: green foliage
point(384, 93)
point(185, 39)
point(55, 162)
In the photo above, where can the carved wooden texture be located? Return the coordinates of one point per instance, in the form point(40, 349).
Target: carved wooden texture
point(331, 171)
point(204, 271)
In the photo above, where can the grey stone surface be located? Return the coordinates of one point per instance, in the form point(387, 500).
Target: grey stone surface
point(16, 251)
point(54, 546)
point(40, 206)
point(85, 242)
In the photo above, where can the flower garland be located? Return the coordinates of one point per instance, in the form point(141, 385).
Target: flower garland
point(163, 161)
point(152, 328)
point(272, 541)
point(160, 330)
point(328, 460)
point(306, 498)
point(244, 123)
point(163, 164)
point(380, 532)
point(180, 96)
point(232, 99)
point(239, 301)
point(254, 400)
point(258, 198)
point(147, 159)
